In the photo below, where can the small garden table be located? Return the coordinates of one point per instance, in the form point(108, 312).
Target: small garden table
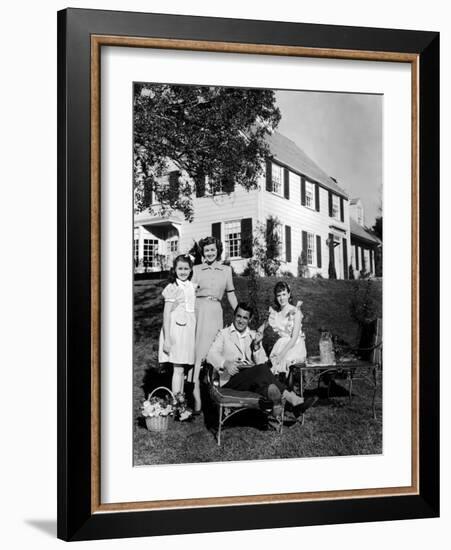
point(313, 371)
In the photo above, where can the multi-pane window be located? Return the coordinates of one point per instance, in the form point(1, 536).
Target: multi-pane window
point(173, 246)
point(310, 248)
point(279, 234)
point(150, 252)
point(309, 194)
point(136, 250)
point(277, 178)
point(232, 231)
point(219, 186)
point(336, 207)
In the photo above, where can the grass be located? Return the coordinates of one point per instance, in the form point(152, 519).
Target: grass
point(333, 427)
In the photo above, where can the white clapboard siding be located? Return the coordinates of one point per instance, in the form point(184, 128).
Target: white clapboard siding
point(302, 218)
point(259, 205)
point(221, 208)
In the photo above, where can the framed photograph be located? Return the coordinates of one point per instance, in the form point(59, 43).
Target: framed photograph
point(248, 274)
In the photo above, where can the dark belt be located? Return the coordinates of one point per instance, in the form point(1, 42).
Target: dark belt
point(212, 298)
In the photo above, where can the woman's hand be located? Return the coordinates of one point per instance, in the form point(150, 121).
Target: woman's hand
point(299, 304)
point(258, 340)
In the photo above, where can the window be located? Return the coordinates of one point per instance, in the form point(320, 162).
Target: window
point(310, 248)
point(136, 250)
point(277, 179)
point(279, 235)
point(232, 231)
point(336, 207)
point(219, 186)
point(150, 252)
point(173, 246)
point(309, 194)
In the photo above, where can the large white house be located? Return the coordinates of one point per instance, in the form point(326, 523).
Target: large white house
point(312, 209)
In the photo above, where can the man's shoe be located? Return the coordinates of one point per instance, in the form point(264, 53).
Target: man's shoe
point(265, 404)
point(293, 399)
point(274, 393)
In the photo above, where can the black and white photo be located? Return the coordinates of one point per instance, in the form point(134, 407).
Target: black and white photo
point(257, 257)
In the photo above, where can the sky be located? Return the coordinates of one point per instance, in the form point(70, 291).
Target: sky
point(342, 134)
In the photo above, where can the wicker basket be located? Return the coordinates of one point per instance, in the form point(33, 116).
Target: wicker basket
point(158, 423)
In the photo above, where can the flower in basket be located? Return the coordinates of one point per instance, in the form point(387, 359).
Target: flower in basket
point(181, 410)
point(156, 406)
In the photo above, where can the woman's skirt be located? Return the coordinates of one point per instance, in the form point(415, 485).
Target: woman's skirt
point(297, 354)
point(209, 322)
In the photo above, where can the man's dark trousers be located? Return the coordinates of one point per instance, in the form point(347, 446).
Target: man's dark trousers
point(255, 379)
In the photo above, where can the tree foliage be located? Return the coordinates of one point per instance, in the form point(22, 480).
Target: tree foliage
point(210, 134)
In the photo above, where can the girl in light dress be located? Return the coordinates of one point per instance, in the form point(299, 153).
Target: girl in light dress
point(286, 320)
point(178, 333)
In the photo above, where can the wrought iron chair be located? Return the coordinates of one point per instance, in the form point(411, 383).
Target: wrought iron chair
point(229, 402)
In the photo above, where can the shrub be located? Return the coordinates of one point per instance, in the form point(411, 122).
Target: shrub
point(364, 304)
point(303, 270)
point(265, 249)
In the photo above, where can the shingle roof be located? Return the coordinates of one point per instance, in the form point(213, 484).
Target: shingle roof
point(287, 152)
point(354, 201)
point(362, 233)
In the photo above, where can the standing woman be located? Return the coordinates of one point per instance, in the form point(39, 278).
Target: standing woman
point(213, 278)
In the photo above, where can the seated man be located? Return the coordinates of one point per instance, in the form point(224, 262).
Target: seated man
point(238, 355)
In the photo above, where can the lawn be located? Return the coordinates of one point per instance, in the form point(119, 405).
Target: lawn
point(333, 427)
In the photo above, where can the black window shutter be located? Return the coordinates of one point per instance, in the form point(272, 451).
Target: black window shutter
point(330, 205)
point(200, 185)
point(317, 205)
point(363, 259)
point(342, 210)
point(286, 183)
point(287, 243)
point(268, 175)
point(331, 250)
point(371, 260)
point(269, 234)
point(357, 258)
point(216, 230)
point(149, 195)
point(228, 184)
point(304, 244)
point(302, 190)
point(174, 180)
point(269, 228)
point(318, 251)
point(246, 238)
point(345, 258)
